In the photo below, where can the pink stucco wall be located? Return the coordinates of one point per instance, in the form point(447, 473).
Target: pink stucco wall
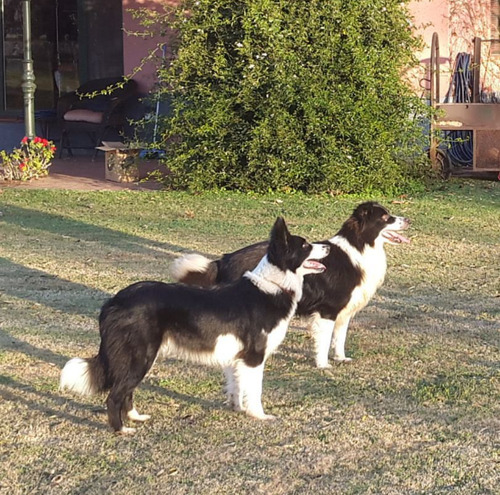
point(136, 48)
point(455, 21)
point(431, 16)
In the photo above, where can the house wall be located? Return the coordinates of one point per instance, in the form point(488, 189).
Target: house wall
point(431, 16)
point(135, 48)
point(457, 22)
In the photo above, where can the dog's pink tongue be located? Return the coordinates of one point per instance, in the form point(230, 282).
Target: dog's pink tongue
point(400, 238)
point(315, 265)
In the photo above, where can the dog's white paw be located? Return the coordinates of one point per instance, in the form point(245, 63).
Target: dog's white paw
point(127, 431)
point(325, 366)
point(265, 417)
point(133, 415)
point(342, 359)
point(261, 416)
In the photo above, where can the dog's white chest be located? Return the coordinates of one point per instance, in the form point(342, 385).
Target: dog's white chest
point(373, 264)
point(276, 336)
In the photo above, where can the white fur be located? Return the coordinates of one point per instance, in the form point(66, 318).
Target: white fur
point(373, 265)
point(321, 331)
point(244, 383)
point(244, 389)
point(250, 380)
point(127, 431)
point(234, 396)
point(75, 377)
point(271, 280)
point(133, 415)
point(400, 223)
point(225, 351)
point(277, 335)
point(339, 336)
point(188, 263)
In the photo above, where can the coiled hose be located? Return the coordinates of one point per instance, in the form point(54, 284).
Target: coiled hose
point(460, 145)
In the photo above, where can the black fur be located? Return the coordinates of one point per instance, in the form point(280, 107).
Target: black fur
point(139, 319)
point(327, 293)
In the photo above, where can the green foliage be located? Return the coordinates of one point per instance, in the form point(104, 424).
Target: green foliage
point(304, 95)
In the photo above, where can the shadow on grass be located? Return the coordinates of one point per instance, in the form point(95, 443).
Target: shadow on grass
point(50, 404)
point(151, 387)
point(82, 231)
point(465, 317)
point(10, 343)
point(49, 290)
point(15, 391)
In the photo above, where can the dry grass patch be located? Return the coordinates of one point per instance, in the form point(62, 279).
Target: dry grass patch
point(416, 412)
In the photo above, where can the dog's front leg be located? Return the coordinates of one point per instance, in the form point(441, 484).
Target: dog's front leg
point(233, 391)
point(321, 330)
point(250, 384)
point(339, 337)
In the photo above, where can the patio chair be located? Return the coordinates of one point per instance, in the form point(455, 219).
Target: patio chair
point(87, 110)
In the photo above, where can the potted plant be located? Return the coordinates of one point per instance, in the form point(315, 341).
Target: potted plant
point(31, 160)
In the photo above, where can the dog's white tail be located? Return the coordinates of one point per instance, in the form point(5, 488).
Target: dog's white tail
point(188, 263)
point(76, 377)
point(195, 269)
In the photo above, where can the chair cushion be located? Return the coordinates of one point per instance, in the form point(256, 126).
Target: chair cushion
point(82, 115)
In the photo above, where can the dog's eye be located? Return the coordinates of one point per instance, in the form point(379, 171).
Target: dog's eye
point(305, 245)
point(386, 217)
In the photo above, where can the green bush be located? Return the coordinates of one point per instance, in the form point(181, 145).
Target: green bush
point(292, 95)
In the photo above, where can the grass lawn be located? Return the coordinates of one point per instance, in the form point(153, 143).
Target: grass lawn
point(416, 412)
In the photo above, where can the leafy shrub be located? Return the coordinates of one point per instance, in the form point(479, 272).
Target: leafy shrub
point(30, 161)
point(304, 95)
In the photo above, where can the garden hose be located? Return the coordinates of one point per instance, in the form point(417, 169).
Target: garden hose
point(460, 146)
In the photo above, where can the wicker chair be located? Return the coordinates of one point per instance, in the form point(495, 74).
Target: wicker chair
point(89, 110)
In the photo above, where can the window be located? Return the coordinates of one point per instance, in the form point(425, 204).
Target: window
point(54, 48)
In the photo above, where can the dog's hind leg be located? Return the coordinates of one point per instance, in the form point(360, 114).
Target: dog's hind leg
point(339, 336)
point(116, 403)
point(321, 330)
point(120, 400)
point(131, 412)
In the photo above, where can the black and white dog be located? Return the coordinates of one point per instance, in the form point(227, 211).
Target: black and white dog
point(356, 268)
point(236, 326)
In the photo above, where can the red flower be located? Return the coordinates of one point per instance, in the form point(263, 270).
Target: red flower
point(53, 149)
point(45, 142)
point(23, 165)
point(24, 140)
point(37, 140)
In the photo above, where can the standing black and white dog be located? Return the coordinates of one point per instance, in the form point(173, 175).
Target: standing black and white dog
point(356, 268)
point(236, 326)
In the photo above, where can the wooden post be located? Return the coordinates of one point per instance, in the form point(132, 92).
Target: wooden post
point(476, 71)
point(434, 97)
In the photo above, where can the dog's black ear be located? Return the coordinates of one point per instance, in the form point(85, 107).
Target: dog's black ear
point(363, 210)
point(278, 243)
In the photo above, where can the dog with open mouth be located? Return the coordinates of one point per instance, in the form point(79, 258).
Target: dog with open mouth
point(356, 268)
point(236, 326)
